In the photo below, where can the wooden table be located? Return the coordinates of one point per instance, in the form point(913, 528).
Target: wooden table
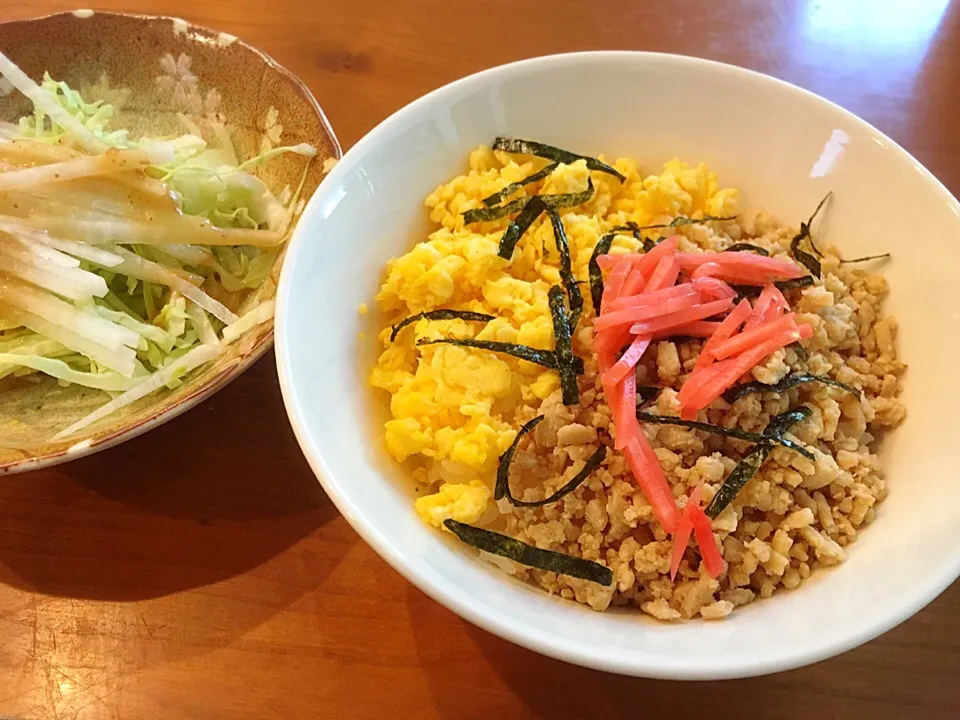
point(201, 572)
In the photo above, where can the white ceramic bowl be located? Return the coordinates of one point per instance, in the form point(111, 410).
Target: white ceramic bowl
point(784, 148)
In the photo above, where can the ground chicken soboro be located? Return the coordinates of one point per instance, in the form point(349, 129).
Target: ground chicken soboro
point(455, 410)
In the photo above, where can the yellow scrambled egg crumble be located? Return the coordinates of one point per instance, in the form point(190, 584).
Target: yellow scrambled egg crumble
point(453, 408)
point(464, 503)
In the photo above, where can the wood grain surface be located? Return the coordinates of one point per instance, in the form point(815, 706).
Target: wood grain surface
point(200, 571)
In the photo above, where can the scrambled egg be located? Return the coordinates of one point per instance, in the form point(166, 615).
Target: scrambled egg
point(464, 503)
point(454, 408)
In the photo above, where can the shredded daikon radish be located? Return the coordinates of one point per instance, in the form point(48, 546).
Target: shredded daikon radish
point(260, 314)
point(103, 194)
point(122, 360)
point(148, 185)
point(42, 99)
point(113, 161)
point(42, 153)
point(94, 254)
point(31, 299)
point(198, 356)
point(71, 283)
point(24, 149)
point(136, 266)
point(179, 230)
point(45, 252)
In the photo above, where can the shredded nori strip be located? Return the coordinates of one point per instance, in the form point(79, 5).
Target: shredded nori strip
point(788, 382)
point(646, 393)
point(532, 209)
point(800, 350)
point(680, 338)
point(485, 214)
point(751, 291)
point(547, 358)
point(557, 155)
point(508, 190)
point(574, 298)
point(785, 420)
point(634, 229)
point(734, 433)
point(596, 276)
point(564, 347)
point(682, 220)
point(795, 283)
point(866, 258)
point(751, 462)
point(748, 247)
point(440, 315)
point(503, 471)
point(806, 259)
point(795, 446)
point(554, 200)
point(738, 477)
point(502, 488)
point(602, 248)
point(649, 243)
point(507, 547)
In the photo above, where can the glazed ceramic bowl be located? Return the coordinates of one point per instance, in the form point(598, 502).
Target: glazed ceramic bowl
point(151, 68)
point(784, 148)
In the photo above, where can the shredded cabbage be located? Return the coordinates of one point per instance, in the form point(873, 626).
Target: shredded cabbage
point(131, 292)
point(244, 267)
point(93, 116)
point(109, 381)
point(224, 194)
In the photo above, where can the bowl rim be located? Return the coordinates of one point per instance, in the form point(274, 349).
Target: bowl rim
point(487, 618)
point(259, 349)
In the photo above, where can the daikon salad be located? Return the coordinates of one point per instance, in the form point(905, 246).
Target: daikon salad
point(122, 260)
